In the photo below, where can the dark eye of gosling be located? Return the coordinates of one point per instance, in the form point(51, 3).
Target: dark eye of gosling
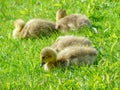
point(43, 57)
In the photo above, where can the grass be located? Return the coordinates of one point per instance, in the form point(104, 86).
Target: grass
point(19, 59)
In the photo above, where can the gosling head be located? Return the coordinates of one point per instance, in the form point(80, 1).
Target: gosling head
point(60, 14)
point(47, 55)
point(18, 24)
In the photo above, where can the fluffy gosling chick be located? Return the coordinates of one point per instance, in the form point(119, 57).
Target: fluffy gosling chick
point(70, 56)
point(49, 59)
point(70, 22)
point(66, 41)
point(34, 28)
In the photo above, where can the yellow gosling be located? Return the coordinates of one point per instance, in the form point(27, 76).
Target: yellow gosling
point(70, 56)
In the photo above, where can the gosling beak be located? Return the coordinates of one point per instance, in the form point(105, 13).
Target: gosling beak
point(42, 63)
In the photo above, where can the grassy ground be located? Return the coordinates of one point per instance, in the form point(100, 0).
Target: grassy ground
point(19, 59)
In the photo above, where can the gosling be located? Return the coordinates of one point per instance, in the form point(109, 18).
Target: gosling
point(33, 28)
point(69, 40)
point(71, 56)
point(70, 22)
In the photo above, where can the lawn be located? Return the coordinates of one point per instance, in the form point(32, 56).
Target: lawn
point(19, 59)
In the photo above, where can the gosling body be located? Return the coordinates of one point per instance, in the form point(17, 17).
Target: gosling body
point(70, 22)
point(78, 56)
point(70, 56)
point(33, 28)
point(69, 40)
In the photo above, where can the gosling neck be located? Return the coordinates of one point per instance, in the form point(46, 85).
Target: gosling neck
point(16, 33)
point(53, 57)
point(49, 65)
